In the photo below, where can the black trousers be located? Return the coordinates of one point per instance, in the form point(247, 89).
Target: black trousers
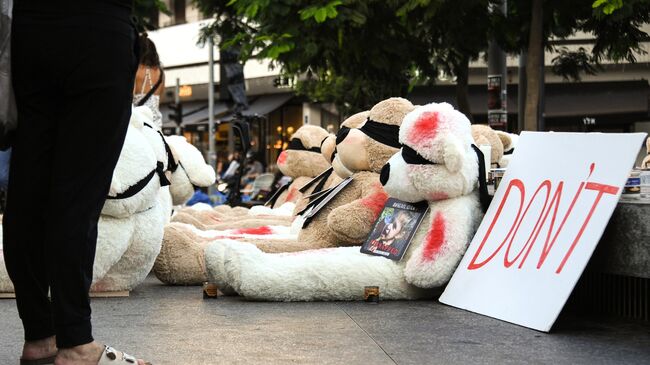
point(73, 88)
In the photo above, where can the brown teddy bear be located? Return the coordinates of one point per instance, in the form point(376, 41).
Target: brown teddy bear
point(484, 135)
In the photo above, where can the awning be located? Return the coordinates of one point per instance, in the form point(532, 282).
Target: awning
point(263, 105)
point(569, 99)
point(194, 113)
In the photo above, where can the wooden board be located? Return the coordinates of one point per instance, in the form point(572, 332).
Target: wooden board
point(109, 294)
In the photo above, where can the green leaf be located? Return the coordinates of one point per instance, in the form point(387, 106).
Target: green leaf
point(321, 15)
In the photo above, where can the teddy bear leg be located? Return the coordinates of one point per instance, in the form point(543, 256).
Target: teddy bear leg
point(214, 257)
point(180, 261)
point(327, 274)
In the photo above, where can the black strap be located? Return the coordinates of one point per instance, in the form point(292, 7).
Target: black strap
point(509, 152)
point(171, 163)
point(317, 178)
point(152, 91)
point(482, 180)
point(387, 134)
point(412, 157)
point(322, 182)
point(276, 195)
point(134, 189)
point(296, 145)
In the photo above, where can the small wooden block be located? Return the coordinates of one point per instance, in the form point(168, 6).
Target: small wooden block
point(109, 294)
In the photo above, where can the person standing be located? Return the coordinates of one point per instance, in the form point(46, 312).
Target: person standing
point(146, 91)
point(73, 65)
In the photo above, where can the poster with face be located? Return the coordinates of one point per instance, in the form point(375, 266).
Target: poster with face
point(394, 229)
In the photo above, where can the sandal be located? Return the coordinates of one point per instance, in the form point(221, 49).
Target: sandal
point(43, 361)
point(110, 356)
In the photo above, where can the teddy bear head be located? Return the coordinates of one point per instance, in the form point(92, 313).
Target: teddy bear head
point(188, 168)
point(303, 156)
point(328, 149)
point(368, 147)
point(437, 160)
point(484, 135)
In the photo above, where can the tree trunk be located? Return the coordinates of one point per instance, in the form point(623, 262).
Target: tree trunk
point(533, 66)
point(462, 90)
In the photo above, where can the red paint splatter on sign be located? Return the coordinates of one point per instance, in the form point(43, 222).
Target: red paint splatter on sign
point(435, 239)
point(375, 201)
point(425, 127)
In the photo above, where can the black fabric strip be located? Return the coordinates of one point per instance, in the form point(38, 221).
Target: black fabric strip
point(134, 189)
point(412, 157)
point(341, 134)
point(171, 163)
point(160, 170)
point(509, 152)
point(321, 183)
point(382, 133)
point(482, 182)
point(296, 145)
point(333, 155)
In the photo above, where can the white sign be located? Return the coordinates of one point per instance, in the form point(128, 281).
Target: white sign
point(547, 216)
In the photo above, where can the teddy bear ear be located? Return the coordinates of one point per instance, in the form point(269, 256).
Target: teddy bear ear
point(453, 154)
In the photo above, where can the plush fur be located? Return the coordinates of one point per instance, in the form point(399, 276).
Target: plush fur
point(484, 135)
point(341, 273)
point(509, 141)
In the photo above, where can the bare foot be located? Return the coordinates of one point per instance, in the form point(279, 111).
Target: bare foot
point(88, 354)
point(40, 349)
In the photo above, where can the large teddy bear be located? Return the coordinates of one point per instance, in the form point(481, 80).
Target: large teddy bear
point(437, 164)
point(345, 221)
point(131, 225)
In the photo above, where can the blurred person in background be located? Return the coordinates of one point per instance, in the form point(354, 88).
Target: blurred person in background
point(149, 79)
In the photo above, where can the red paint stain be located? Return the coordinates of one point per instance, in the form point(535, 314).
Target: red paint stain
point(425, 127)
point(435, 239)
point(438, 196)
point(375, 201)
point(282, 158)
point(291, 195)
point(258, 230)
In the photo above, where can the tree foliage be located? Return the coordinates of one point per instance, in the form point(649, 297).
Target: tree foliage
point(143, 11)
point(357, 52)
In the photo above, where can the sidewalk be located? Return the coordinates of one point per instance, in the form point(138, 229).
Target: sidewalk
point(158, 322)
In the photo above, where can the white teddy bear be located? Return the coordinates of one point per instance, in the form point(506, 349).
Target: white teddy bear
point(131, 225)
point(438, 164)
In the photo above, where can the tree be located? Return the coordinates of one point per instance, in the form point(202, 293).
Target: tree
point(617, 33)
point(353, 54)
point(455, 32)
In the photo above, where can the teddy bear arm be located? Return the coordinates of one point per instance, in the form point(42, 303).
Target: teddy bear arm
point(448, 235)
point(292, 194)
point(353, 222)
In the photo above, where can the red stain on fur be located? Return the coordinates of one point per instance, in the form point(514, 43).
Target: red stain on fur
point(258, 230)
point(291, 195)
point(438, 196)
point(435, 239)
point(282, 158)
point(375, 201)
point(425, 127)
